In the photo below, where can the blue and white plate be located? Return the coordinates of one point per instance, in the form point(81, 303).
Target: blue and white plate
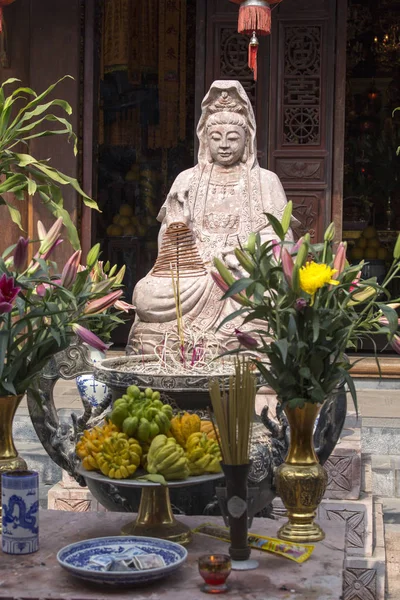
point(77, 559)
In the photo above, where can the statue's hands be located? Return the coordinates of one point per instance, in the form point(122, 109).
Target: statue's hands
point(178, 209)
point(232, 263)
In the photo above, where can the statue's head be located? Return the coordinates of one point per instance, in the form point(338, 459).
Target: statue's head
point(227, 129)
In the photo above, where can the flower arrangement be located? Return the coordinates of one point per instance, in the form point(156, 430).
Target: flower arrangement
point(303, 306)
point(40, 311)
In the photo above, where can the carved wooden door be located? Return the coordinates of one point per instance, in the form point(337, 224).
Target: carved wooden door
point(298, 99)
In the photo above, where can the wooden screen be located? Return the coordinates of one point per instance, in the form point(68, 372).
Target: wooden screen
point(298, 99)
point(301, 118)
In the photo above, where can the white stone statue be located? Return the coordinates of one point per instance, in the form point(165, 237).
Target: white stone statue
point(222, 200)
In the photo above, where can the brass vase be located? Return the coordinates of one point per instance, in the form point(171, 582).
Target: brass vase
point(9, 459)
point(301, 481)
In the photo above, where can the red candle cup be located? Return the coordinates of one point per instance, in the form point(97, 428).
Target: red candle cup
point(215, 570)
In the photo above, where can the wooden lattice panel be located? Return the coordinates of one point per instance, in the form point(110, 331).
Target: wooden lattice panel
point(179, 254)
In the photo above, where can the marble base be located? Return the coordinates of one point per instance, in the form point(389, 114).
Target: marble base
point(277, 578)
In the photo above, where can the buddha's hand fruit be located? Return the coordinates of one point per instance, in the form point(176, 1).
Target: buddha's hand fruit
point(167, 458)
point(141, 414)
point(183, 425)
point(203, 454)
point(208, 428)
point(119, 456)
point(90, 444)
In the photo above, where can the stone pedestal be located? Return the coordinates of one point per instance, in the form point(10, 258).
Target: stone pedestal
point(70, 496)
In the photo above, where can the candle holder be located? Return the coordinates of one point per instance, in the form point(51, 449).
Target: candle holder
point(215, 570)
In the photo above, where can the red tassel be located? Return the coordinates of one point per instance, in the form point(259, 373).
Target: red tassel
point(253, 51)
point(254, 18)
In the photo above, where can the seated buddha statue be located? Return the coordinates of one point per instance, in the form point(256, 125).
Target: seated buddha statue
point(216, 204)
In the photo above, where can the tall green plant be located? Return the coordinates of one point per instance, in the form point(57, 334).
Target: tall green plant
point(23, 174)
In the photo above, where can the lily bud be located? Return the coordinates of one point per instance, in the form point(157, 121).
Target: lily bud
point(246, 340)
point(340, 260)
point(364, 294)
point(251, 243)
point(89, 338)
point(239, 298)
point(120, 275)
point(41, 230)
point(330, 233)
point(93, 255)
point(51, 236)
point(101, 304)
point(396, 251)
point(70, 270)
point(297, 245)
point(224, 271)
point(20, 254)
point(287, 265)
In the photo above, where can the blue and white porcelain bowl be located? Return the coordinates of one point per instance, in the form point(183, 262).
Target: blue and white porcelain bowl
point(77, 559)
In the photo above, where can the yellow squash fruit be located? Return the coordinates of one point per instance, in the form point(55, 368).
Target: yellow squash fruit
point(126, 210)
point(182, 426)
point(119, 456)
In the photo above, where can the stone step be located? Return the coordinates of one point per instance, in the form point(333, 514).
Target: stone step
point(392, 539)
point(380, 436)
point(391, 510)
point(386, 475)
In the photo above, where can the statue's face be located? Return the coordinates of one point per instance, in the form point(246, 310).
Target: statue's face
point(226, 143)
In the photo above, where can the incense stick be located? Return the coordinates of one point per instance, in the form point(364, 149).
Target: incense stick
point(234, 413)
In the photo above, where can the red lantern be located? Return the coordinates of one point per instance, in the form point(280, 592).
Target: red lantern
point(3, 3)
point(254, 19)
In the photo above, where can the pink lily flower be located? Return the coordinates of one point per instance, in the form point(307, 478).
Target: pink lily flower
point(276, 250)
point(101, 304)
point(89, 338)
point(395, 343)
point(20, 254)
point(384, 321)
point(8, 292)
point(355, 282)
point(287, 265)
point(297, 245)
point(70, 270)
point(246, 340)
point(50, 237)
point(124, 306)
point(340, 260)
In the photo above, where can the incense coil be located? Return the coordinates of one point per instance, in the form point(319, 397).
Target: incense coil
point(179, 252)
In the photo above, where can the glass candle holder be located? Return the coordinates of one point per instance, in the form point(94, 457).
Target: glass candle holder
point(215, 570)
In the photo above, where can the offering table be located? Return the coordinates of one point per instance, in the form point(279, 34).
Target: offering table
point(38, 576)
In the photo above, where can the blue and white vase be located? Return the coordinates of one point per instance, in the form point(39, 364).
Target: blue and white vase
point(20, 512)
point(88, 387)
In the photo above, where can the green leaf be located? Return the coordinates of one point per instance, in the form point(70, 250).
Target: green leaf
point(237, 287)
point(315, 325)
point(286, 217)
point(31, 187)
point(276, 226)
point(15, 215)
point(283, 347)
point(3, 348)
point(352, 388)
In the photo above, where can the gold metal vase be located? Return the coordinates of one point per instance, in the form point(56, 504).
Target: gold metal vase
point(301, 481)
point(9, 459)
